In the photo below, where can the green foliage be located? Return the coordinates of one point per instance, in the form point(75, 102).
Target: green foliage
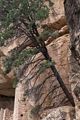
point(12, 14)
point(44, 65)
point(42, 13)
point(47, 32)
point(23, 8)
point(15, 81)
point(16, 59)
point(13, 11)
point(8, 33)
point(27, 53)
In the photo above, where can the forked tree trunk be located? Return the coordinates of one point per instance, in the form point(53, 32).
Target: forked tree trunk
point(72, 12)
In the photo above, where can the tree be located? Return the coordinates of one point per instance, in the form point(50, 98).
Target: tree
point(23, 17)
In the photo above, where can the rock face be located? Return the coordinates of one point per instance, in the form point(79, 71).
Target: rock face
point(74, 28)
point(57, 18)
point(47, 102)
point(48, 91)
point(6, 108)
point(61, 113)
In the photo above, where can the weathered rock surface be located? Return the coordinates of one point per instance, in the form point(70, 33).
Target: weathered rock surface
point(6, 108)
point(25, 106)
point(56, 18)
point(59, 48)
point(61, 113)
point(5, 80)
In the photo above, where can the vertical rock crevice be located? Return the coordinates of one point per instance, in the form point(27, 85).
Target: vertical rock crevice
point(72, 12)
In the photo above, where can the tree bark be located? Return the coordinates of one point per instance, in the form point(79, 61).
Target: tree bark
point(72, 12)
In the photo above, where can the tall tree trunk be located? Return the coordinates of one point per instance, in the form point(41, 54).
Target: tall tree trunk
point(72, 12)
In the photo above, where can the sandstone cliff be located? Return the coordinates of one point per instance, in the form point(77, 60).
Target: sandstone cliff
point(14, 105)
